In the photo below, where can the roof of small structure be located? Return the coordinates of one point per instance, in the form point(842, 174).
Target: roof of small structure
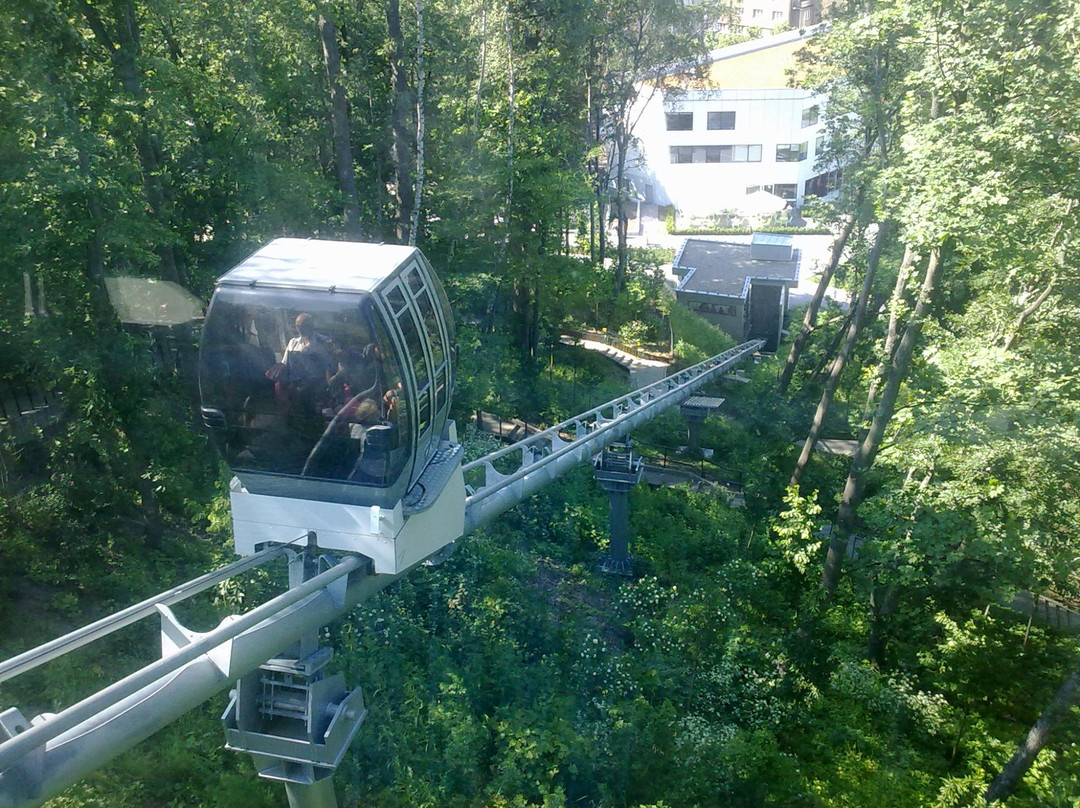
point(704, 402)
point(726, 268)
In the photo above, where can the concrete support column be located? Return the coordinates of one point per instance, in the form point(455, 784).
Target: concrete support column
point(618, 470)
point(695, 410)
point(619, 527)
point(319, 794)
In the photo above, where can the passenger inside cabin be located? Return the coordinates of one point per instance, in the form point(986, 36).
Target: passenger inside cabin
point(359, 373)
point(300, 378)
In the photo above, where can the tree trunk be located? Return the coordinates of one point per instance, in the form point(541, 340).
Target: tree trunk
point(883, 603)
point(124, 47)
point(95, 243)
point(1030, 310)
point(414, 222)
point(511, 91)
point(868, 449)
point(339, 120)
point(1022, 318)
point(622, 144)
point(480, 76)
point(830, 351)
point(400, 107)
point(841, 357)
point(1036, 739)
point(122, 44)
point(810, 317)
point(895, 305)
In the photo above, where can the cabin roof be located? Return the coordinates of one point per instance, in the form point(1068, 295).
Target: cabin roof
point(309, 264)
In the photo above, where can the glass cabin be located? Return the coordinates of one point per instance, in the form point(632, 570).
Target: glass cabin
point(326, 370)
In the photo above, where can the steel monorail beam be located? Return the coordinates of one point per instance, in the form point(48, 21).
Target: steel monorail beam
point(132, 614)
point(546, 455)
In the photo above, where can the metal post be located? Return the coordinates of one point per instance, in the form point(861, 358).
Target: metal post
point(694, 438)
point(294, 719)
point(319, 794)
point(618, 469)
point(619, 522)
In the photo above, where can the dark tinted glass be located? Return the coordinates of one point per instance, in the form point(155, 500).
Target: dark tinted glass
point(305, 386)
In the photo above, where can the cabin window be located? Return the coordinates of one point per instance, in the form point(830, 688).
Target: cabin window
point(305, 386)
point(415, 347)
point(396, 298)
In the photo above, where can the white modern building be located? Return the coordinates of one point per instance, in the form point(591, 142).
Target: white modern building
point(705, 145)
point(769, 15)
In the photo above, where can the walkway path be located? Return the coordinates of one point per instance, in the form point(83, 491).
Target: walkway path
point(642, 371)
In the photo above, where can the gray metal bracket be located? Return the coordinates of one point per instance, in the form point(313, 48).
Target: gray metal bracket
point(24, 777)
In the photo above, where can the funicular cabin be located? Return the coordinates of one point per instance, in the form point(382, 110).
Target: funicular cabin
point(326, 373)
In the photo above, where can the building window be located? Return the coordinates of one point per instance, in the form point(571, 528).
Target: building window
point(680, 121)
point(756, 13)
point(752, 189)
point(786, 190)
point(790, 152)
point(776, 15)
point(810, 116)
point(822, 184)
point(819, 145)
point(682, 154)
point(721, 120)
point(733, 154)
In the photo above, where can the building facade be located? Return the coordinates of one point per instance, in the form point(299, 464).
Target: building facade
point(703, 147)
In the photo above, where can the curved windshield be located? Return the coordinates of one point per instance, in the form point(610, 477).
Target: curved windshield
point(305, 385)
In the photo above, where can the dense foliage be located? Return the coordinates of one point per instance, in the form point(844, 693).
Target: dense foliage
point(846, 641)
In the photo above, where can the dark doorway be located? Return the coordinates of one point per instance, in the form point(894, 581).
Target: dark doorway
point(764, 320)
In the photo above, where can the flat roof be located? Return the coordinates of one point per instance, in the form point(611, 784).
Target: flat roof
point(704, 402)
point(296, 263)
point(774, 239)
point(761, 62)
point(726, 268)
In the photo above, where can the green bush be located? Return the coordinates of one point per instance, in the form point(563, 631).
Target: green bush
point(696, 339)
point(743, 231)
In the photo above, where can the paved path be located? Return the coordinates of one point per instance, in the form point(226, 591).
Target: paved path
point(642, 371)
point(836, 446)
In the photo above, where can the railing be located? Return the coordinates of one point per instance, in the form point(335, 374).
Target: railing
point(707, 469)
point(21, 398)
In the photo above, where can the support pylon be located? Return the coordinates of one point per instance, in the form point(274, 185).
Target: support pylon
point(294, 720)
point(618, 470)
point(695, 410)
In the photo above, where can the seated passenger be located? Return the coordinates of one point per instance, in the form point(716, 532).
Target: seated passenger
point(300, 377)
point(305, 352)
point(358, 373)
